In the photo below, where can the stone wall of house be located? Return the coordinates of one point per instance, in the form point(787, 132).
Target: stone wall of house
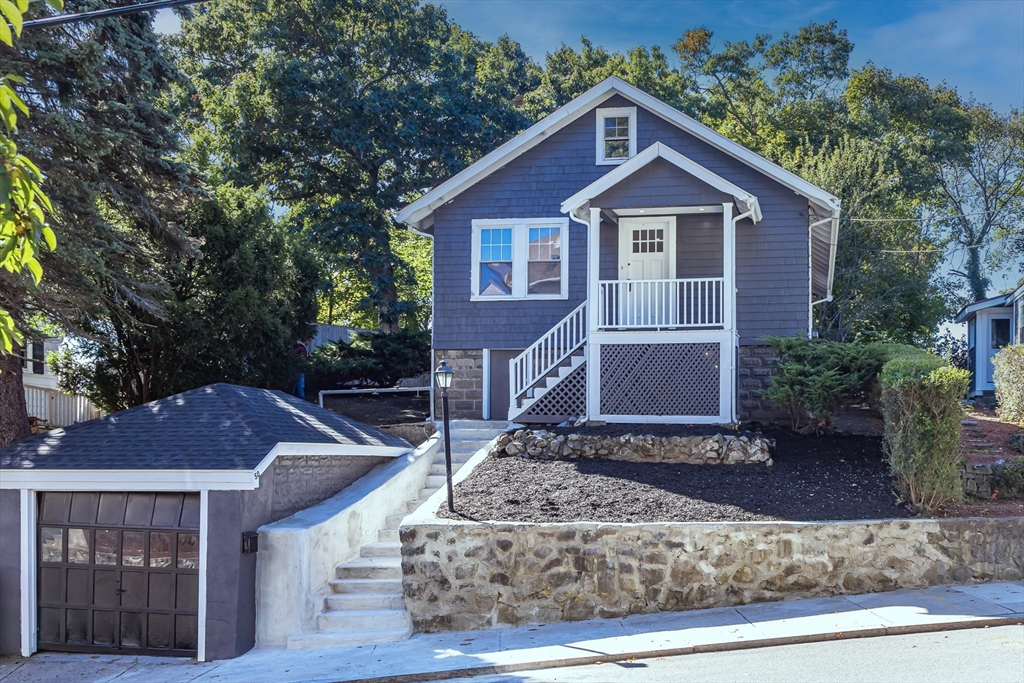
point(754, 373)
point(460, 576)
point(1005, 480)
point(695, 450)
point(466, 396)
point(303, 480)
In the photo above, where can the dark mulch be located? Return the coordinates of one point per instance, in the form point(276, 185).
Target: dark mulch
point(649, 430)
point(381, 409)
point(813, 478)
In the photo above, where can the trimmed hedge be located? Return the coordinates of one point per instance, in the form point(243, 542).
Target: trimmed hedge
point(1009, 381)
point(921, 403)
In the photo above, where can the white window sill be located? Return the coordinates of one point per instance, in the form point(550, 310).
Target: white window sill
point(611, 162)
point(532, 297)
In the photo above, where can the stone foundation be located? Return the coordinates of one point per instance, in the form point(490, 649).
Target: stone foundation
point(460, 576)
point(466, 396)
point(999, 480)
point(755, 368)
point(695, 450)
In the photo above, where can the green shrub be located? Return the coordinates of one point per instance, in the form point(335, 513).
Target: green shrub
point(921, 398)
point(1009, 381)
point(372, 360)
point(814, 378)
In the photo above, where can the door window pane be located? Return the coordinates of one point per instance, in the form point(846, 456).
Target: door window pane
point(53, 544)
point(1000, 333)
point(106, 546)
point(133, 545)
point(78, 546)
point(160, 549)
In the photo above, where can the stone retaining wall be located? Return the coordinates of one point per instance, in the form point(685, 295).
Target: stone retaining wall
point(466, 396)
point(696, 450)
point(1005, 480)
point(460, 576)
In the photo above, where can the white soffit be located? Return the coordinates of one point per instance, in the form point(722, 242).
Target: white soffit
point(417, 214)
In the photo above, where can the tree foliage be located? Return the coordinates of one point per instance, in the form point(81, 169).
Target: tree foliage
point(233, 315)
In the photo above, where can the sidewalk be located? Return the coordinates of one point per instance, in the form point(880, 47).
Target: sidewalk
point(449, 655)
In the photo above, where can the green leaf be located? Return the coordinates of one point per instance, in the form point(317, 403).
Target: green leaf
point(49, 237)
point(13, 14)
point(35, 269)
point(5, 34)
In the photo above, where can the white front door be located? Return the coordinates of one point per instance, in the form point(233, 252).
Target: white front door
point(647, 252)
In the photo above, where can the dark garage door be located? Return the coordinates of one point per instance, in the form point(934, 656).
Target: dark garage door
point(119, 572)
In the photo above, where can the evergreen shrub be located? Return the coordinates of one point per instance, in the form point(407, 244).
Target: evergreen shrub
point(921, 403)
point(1009, 380)
point(372, 360)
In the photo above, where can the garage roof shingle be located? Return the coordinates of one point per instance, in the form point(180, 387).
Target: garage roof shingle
point(216, 427)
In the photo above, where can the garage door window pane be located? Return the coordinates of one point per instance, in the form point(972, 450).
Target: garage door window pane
point(188, 551)
point(132, 548)
point(106, 546)
point(160, 549)
point(53, 544)
point(78, 546)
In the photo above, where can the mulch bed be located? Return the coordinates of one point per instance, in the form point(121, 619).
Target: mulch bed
point(814, 478)
point(381, 409)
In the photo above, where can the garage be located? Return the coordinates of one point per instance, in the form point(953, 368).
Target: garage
point(119, 572)
point(136, 532)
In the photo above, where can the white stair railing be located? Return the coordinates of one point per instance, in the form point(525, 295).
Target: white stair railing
point(547, 353)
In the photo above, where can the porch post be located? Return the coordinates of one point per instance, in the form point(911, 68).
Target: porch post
point(593, 311)
point(728, 268)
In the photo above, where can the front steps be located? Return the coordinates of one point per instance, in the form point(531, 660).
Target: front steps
point(366, 604)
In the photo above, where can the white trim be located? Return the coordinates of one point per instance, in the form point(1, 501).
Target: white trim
point(129, 480)
point(661, 151)
point(728, 267)
point(415, 213)
point(28, 572)
point(992, 302)
point(485, 399)
point(610, 112)
point(204, 539)
point(520, 257)
point(668, 210)
point(667, 337)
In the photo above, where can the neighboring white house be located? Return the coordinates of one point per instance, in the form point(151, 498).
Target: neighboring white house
point(991, 324)
point(42, 397)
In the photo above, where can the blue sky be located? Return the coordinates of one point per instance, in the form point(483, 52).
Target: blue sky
point(977, 47)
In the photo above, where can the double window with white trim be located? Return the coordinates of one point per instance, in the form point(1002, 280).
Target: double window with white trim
point(616, 135)
point(520, 259)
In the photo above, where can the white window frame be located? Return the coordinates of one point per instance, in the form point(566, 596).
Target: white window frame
point(612, 112)
point(520, 256)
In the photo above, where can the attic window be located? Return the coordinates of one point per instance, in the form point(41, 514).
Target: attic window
point(616, 135)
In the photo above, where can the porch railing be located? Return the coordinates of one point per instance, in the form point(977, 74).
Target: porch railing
point(548, 352)
point(678, 303)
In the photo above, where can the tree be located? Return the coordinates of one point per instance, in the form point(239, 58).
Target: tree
point(345, 111)
point(234, 314)
point(981, 198)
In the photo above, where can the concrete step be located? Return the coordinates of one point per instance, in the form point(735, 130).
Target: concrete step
point(388, 535)
point(478, 424)
point(381, 549)
point(423, 494)
point(464, 445)
point(414, 505)
point(310, 641)
point(395, 521)
point(437, 470)
point(366, 586)
point(370, 568)
point(348, 621)
point(436, 481)
point(364, 601)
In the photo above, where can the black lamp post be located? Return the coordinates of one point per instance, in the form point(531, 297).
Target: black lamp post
point(443, 376)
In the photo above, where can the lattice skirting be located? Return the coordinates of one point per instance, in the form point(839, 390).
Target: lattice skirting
point(566, 399)
point(661, 379)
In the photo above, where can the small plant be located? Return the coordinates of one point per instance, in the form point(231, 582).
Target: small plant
point(1008, 376)
point(921, 404)
point(1009, 481)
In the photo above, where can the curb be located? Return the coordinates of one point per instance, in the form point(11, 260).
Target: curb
point(493, 669)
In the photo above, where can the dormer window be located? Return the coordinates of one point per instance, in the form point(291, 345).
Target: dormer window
point(616, 135)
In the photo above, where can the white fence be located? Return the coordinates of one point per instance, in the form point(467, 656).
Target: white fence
point(59, 409)
point(676, 303)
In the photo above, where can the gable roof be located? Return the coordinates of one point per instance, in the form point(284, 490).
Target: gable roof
point(1000, 301)
point(660, 151)
point(217, 427)
point(419, 214)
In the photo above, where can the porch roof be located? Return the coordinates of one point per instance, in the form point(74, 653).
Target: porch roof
point(581, 200)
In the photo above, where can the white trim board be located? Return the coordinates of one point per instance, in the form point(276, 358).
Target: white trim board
point(28, 572)
point(204, 541)
point(660, 151)
point(418, 214)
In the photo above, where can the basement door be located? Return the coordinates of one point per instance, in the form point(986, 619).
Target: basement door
point(119, 572)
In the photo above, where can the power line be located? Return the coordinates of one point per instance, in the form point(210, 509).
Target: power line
point(110, 12)
point(914, 220)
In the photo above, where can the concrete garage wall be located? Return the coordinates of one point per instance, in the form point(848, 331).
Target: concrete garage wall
point(460, 576)
point(298, 555)
point(10, 572)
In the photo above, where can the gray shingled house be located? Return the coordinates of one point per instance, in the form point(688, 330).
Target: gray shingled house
point(128, 533)
point(622, 261)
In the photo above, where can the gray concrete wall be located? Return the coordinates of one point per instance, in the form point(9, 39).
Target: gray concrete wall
point(10, 572)
point(772, 264)
point(304, 480)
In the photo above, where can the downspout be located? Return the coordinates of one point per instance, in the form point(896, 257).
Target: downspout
point(732, 324)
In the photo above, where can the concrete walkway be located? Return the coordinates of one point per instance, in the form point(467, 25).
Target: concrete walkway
point(449, 655)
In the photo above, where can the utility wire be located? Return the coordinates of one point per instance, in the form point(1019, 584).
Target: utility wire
point(110, 12)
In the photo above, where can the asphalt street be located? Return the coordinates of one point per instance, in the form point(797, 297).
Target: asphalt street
point(986, 655)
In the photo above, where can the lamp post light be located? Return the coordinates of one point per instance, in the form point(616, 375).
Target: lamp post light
point(443, 376)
